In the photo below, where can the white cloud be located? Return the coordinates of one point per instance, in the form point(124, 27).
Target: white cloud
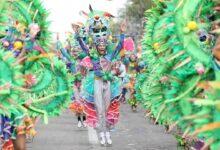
point(64, 12)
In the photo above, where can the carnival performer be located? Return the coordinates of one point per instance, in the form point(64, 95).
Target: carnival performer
point(120, 71)
point(9, 126)
point(72, 55)
point(77, 105)
point(101, 88)
point(29, 73)
point(132, 68)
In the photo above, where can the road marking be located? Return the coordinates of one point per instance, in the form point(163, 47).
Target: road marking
point(93, 137)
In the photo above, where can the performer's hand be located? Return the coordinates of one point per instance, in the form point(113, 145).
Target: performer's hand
point(123, 27)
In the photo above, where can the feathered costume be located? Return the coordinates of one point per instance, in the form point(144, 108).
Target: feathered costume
point(181, 84)
point(101, 88)
point(73, 56)
point(33, 82)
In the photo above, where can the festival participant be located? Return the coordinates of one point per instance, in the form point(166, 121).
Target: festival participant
point(77, 105)
point(132, 72)
point(73, 56)
point(120, 71)
point(19, 46)
point(101, 88)
point(33, 83)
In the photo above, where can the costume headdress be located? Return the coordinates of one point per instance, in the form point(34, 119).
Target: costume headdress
point(98, 23)
point(100, 40)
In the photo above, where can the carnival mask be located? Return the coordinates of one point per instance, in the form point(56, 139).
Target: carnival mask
point(98, 29)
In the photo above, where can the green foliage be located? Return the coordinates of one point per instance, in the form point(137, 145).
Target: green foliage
point(173, 50)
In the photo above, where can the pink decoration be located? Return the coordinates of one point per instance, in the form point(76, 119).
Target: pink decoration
point(200, 68)
point(34, 29)
point(200, 71)
point(86, 62)
point(6, 43)
point(129, 44)
point(164, 79)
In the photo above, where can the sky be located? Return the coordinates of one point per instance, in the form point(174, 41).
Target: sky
point(65, 12)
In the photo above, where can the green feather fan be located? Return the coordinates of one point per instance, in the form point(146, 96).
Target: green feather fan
point(52, 91)
point(11, 82)
point(177, 49)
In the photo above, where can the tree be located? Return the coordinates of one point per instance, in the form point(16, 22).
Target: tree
point(133, 14)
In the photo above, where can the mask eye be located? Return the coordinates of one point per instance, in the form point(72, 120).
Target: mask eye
point(104, 29)
point(202, 38)
point(96, 30)
point(84, 38)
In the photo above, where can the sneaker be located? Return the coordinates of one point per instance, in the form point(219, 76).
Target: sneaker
point(79, 124)
point(84, 124)
point(108, 138)
point(102, 139)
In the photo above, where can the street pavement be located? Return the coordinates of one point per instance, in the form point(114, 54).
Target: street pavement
point(133, 132)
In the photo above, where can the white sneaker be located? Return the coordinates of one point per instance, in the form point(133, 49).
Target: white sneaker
point(108, 138)
point(79, 124)
point(84, 124)
point(102, 139)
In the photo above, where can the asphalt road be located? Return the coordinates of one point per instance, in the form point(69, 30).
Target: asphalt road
point(133, 132)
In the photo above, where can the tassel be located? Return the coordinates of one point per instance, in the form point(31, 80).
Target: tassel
point(207, 127)
point(179, 65)
point(176, 55)
point(35, 14)
point(161, 110)
point(179, 5)
point(29, 7)
point(186, 92)
point(49, 97)
point(44, 113)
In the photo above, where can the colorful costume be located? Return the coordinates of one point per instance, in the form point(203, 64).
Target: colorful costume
point(73, 56)
point(179, 88)
point(96, 81)
point(132, 72)
point(77, 105)
point(101, 88)
point(28, 85)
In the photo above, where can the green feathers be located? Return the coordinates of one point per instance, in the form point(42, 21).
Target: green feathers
point(177, 49)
